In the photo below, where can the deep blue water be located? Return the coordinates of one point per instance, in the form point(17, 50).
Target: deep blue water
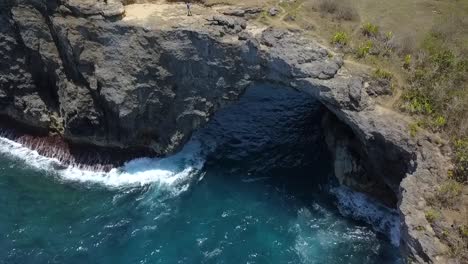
point(251, 187)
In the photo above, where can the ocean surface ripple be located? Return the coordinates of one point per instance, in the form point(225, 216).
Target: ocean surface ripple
point(252, 186)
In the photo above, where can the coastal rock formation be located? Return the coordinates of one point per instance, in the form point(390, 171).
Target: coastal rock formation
point(117, 84)
point(98, 75)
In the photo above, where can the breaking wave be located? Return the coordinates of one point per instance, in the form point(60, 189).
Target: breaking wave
point(361, 207)
point(173, 170)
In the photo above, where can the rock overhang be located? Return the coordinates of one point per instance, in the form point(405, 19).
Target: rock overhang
point(125, 84)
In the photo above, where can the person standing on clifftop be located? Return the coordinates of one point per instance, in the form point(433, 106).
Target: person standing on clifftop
point(189, 11)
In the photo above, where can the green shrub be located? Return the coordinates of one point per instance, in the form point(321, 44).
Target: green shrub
point(417, 104)
point(420, 228)
point(438, 80)
point(432, 215)
point(464, 231)
point(444, 60)
point(382, 74)
point(449, 193)
point(440, 121)
point(407, 62)
point(340, 38)
point(370, 30)
point(388, 35)
point(364, 49)
point(413, 129)
point(460, 171)
point(438, 87)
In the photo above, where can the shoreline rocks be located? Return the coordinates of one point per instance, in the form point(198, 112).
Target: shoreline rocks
point(75, 69)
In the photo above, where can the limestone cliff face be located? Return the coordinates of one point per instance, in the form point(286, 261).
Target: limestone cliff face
point(120, 86)
point(78, 69)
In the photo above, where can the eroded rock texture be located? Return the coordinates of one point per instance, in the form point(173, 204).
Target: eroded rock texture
point(120, 85)
point(78, 69)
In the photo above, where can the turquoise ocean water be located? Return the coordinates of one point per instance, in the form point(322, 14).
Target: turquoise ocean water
point(251, 187)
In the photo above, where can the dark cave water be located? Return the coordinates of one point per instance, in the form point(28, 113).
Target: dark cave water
point(251, 187)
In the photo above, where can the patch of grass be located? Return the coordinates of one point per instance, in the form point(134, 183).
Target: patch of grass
point(420, 228)
point(340, 38)
point(263, 18)
point(449, 193)
point(370, 30)
point(417, 104)
point(388, 35)
point(407, 61)
point(432, 215)
point(463, 229)
point(382, 74)
point(439, 122)
point(413, 129)
point(340, 9)
point(328, 6)
point(439, 78)
point(404, 43)
point(460, 171)
point(364, 49)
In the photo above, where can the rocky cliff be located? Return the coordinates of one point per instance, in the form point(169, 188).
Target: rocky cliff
point(96, 74)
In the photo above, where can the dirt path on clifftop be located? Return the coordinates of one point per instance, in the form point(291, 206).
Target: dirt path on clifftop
point(165, 15)
point(162, 15)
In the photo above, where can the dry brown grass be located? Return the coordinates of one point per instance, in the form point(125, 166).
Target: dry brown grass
point(340, 9)
point(404, 43)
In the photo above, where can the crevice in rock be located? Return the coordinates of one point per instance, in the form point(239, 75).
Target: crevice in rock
point(68, 64)
point(44, 78)
point(375, 167)
point(105, 114)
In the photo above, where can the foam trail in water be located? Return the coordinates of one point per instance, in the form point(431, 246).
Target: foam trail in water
point(361, 207)
point(172, 170)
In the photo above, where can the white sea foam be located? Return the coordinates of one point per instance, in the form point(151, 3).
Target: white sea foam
point(361, 207)
point(173, 170)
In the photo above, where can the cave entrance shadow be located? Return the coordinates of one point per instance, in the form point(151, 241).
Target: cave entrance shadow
point(272, 135)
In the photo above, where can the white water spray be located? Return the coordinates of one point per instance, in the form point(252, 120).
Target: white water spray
point(170, 171)
point(361, 207)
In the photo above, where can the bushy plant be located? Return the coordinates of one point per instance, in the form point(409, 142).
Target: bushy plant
point(417, 104)
point(382, 74)
point(420, 228)
point(448, 193)
point(364, 49)
point(370, 30)
point(388, 35)
point(460, 172)
point(413, 129)
point(439, 86)
point(340, 38)
point(464, 231)
point(407, 61)
point(432, 215)
point(440, 121)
